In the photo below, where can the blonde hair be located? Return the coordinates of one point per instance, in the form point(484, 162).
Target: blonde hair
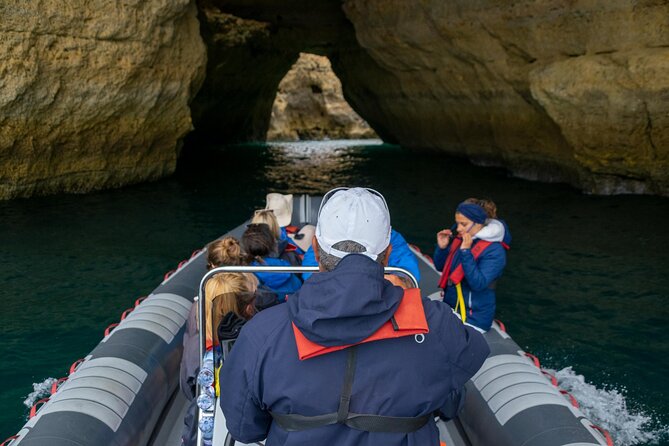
point(267, 217)
point(224, 252)
point(222, 295)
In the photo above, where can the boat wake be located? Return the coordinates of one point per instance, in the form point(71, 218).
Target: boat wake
point(40, 390)
point(608, 408)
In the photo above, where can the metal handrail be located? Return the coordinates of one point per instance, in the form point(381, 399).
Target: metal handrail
point(266, 269)
point(252, 269)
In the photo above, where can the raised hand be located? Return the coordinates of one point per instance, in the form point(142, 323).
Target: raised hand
point(466, 241)
point(444, 237)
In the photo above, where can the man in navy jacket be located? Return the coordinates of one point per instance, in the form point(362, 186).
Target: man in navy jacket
point(367, 347)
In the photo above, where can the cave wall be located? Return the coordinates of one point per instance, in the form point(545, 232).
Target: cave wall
point(574, 91)
point(98, 94)
point(94, 94)
point(251, 47)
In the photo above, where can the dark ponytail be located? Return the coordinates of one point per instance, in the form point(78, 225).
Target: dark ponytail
point(258, 242)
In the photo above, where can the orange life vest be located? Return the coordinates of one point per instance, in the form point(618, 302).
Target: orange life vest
point(409, 319)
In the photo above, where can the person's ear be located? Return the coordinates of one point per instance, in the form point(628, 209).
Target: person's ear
point(314, 246)
point(389, 249)
point(250, 310)
point(317, 254)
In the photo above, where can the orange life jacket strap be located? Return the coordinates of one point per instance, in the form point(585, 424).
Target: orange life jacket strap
point(409, 319)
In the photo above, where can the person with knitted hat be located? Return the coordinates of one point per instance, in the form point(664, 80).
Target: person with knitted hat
point(471, 260)
point(401, 357)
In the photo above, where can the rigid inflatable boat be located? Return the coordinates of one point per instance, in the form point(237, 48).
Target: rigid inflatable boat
point(125, 392)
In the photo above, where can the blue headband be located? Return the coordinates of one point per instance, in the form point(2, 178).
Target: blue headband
point(472, 211)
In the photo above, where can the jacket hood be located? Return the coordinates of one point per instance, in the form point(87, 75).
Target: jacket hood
point(346, 305)
point(493, 231)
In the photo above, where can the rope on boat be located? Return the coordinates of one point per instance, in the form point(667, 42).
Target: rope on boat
point(10, 440)
point(75, 365)
point(57, 384)
point(35, 408)
point(534, 359)
point(501, 325)
point(110, 328)
point(601, 430)
point(552, 377)
point(574, 401)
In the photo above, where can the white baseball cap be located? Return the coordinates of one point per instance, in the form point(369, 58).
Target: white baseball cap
point(357, 214)
point(282, 205)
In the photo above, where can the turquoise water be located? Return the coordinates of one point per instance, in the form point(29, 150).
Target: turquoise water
point(585, 288)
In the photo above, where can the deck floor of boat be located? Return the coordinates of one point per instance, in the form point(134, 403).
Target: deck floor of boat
point(168, 430)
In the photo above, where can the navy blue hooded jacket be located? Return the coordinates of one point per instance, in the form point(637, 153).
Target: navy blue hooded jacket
point(478, 283)
point(393, 377)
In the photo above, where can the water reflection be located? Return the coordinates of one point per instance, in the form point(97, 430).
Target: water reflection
point(314, 167)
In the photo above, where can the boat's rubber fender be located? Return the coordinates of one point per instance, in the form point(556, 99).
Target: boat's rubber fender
point(510, 402)
point(112, 397)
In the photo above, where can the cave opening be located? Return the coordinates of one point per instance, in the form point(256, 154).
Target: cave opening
point(310, 105)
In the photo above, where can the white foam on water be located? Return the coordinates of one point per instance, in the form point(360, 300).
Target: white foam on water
point(608, 409)
point(40, 390)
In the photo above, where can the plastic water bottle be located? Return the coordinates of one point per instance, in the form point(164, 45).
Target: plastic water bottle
point(206, 425)
point(207, 398)
point(206, 376)
point(205, 402)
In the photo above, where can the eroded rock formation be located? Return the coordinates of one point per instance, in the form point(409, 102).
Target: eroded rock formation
point(251, 46)
point(94, 94)
point(310, 105)
point(572, 92)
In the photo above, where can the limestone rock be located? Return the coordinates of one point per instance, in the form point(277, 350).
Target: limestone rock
point(572, 91)
point(94, 94)
point(310, 105)
point(251, 46)
point(612, 109)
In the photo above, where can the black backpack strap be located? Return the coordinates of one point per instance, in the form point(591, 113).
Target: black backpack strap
point(347, 388)
point(363, 422)
point(380, 423)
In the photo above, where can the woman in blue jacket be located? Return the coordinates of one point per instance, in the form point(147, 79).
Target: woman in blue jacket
point(260, 246)
point(471, 262)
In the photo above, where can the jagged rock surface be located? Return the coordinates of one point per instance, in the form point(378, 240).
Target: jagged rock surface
point(310, 105)
point(573, 91)
point(94, 94)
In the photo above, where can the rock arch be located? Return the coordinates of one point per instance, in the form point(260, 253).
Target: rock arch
point(522, 85)
point(100, 97)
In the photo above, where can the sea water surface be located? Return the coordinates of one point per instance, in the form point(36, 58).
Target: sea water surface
point(586, 288)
